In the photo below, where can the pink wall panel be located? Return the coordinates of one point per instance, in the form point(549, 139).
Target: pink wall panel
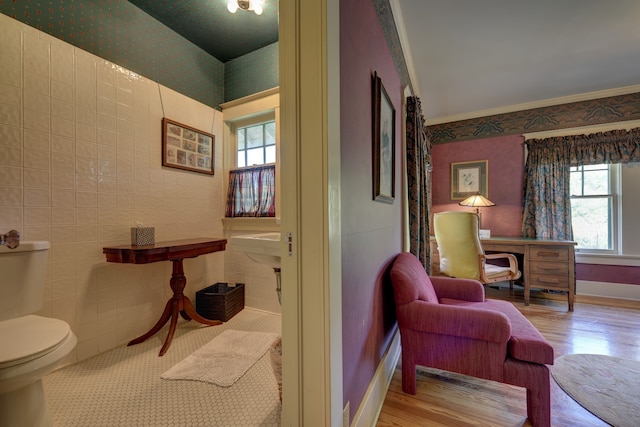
point(608, 273)
point(505, 171)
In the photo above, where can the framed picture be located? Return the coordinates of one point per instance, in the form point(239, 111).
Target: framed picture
point(184, 147)
point(384, 153)
point(468, 178)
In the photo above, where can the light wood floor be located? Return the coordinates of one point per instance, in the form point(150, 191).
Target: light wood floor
point(445, 399)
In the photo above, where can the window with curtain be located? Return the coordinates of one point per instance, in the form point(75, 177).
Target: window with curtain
point(251, 192)
point(547, 211)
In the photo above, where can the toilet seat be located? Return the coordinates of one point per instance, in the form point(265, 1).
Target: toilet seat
point(30, 337)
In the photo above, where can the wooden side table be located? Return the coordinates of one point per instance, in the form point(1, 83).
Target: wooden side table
point(174, 251)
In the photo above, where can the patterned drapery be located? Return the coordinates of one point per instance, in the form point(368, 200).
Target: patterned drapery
point(252, 192)
point(418, 181)
point(547, 199)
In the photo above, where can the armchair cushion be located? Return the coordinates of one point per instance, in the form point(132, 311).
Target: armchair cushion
point(413, 281)
point(526, 343)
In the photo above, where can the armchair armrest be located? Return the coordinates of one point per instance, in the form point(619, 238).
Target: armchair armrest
point(455, 288)
point(457, 321)
point(512, 273)
point(513, 262)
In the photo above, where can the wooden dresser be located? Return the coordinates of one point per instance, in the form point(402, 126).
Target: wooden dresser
point(547, 264)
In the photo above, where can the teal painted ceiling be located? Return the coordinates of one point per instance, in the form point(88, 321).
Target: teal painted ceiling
point(209, 25)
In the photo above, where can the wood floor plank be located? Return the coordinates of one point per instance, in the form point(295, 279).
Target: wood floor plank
point(447, 399)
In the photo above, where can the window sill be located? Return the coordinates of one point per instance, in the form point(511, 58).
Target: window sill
point(251, 224)
point(606, 259)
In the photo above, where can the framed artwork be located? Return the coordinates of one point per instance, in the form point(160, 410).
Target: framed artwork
point(468, 178)
point(384, 132)
point(184, 147)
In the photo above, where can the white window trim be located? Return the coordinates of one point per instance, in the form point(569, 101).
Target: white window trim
point(616, 215)
point(263, 106)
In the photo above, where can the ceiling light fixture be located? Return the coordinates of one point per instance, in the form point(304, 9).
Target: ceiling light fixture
point(255, 5)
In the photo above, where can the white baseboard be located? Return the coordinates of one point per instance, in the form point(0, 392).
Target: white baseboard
point(608, 290)
point(371, 405)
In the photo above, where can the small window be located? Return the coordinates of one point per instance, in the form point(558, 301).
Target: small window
point(593, 207)
point(256, 144)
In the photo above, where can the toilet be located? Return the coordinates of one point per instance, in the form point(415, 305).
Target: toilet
point(30, 346)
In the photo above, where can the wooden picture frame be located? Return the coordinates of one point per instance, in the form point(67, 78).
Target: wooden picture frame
point(384, 152)
point(187, 148)
point(469, 178)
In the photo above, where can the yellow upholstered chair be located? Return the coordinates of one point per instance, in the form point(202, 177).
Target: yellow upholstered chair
point(461, 253)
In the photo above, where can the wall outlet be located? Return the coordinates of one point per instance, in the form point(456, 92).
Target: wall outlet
point(345, 415)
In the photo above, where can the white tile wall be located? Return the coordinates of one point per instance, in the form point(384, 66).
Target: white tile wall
point(80, 163)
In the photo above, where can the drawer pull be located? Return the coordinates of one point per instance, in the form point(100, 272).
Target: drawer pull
point(548, 280)
point(549, 254)
point(548, 268)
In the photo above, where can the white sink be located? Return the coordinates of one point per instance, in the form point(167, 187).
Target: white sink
point(263, 248)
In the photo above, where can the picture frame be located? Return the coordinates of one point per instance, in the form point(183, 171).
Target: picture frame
point(384, 133)
point(187, 148)
point(469, 178)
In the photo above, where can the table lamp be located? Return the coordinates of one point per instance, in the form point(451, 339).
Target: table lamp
point(477, 201)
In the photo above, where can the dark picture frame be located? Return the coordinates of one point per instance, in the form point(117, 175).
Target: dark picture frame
point(187, 148)
point(384, 142)
point(469, 178)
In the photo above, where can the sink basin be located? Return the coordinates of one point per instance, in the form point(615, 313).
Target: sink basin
point(263, 248)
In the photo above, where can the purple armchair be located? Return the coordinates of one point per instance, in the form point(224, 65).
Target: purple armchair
point(446, 323)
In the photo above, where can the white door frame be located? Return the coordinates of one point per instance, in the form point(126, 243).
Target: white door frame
point(310, 186)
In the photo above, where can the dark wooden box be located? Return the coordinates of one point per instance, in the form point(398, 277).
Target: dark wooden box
point(220, 301)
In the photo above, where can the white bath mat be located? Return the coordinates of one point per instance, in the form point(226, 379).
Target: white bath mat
point(223, 360)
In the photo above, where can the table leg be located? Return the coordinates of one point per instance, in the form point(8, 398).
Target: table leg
point(191, 312)
point(177, 304)
point(166, 315)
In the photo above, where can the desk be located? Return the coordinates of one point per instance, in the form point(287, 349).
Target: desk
point(174, 251)
point(548, 264)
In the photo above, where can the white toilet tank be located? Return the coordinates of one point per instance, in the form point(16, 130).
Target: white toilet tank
point(22, 274)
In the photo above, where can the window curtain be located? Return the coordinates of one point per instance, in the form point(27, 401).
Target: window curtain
point(418, 182)
point(547, 199)
point(251, 192)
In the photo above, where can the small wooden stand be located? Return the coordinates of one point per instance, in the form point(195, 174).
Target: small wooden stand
point(174, 251)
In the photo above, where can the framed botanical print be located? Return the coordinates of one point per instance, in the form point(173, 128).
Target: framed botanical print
point(468, 178)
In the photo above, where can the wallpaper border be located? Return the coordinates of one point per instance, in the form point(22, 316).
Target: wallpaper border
point(611, 109)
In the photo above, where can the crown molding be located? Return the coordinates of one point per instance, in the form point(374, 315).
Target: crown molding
point(537, 104)
point(405, 45)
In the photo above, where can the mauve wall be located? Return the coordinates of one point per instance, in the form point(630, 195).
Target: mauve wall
point(505, 170)
point(371, 231)
point(506, 174)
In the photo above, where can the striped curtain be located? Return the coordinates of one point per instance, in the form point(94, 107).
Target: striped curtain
point(418, 182)
point(252, 192)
